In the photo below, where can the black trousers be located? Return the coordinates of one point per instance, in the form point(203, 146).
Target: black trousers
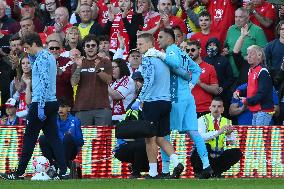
point(220, 164)
point(70, 149)
point(49, 128)
point(134, 153)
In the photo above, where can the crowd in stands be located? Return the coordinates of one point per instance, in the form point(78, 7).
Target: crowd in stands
point(98, 65)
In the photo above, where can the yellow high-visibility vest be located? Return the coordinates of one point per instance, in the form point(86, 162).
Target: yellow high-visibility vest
point(84, 31)
point(217, 144)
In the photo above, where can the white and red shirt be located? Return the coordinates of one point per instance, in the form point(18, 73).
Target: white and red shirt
point(126, 88)
point(118, 26)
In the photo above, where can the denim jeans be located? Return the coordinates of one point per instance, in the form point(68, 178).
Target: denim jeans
point(261, 118)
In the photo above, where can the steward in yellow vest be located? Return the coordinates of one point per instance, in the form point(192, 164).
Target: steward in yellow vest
point(216, 132)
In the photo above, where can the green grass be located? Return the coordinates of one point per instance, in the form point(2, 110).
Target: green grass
point(147, 184)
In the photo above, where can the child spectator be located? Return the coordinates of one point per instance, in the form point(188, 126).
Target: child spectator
point(11, 108)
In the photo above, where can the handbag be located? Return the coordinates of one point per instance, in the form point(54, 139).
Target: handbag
point(133, 127)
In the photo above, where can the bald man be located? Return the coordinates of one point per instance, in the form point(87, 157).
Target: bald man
point(61, 22)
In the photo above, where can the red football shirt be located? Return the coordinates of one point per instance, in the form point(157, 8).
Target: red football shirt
point(174, 21)
point(267, 10)
point(203, 38)
point(51, 29)
point(103, 11)
point(202, 98)
point(222, 16)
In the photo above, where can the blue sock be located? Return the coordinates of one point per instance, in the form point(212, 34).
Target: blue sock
point(165, 158)
point(201, 147)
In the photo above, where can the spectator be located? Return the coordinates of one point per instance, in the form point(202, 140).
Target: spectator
point(75, 17)
point(222, 15)
point(216, 130)
point(134, 61)
point(92, 75)
point(207, 85)
point(11, 109)
point(243, 114)
point(189, 11)
point(70, 133)
point(104, 47)
point(281, 12)
point(205, 33)
point(241, 62)
point(263, 14)
point(16, 52)
point(164, 20)
point(258, 95)
point(126, 25)
point(72, 41)
point(48, 14)
point(184, 46)
point(6, 23)
point(147, 9)
point(28, 9)
point(223, 70)
point(280, 83)
point(87, 24)
point(61, 22)
point(138, 79)
point(64, 69)
point(4, 44)
point(256, 36)
point(179, 37)
point(121, 90)
point(20, 84)
point(27, 26)
point(274, 51)
point(7, 68)
point(103, 7)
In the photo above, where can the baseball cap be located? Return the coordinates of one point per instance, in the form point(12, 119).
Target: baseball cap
point(137, 75)
point(28, 2)
point(11, 102)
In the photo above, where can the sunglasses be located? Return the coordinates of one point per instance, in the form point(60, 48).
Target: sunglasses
point(54, 48)
point(190, 50)
point(90, 45)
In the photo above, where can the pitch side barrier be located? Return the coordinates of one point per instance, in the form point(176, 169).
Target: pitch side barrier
point(262, 147)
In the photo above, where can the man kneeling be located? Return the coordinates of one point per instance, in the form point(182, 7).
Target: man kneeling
point(70, 133)
point(216, 131)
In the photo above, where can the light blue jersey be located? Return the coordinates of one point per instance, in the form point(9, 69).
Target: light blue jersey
point(183, 71)
point(156, 76)
point(44, 71)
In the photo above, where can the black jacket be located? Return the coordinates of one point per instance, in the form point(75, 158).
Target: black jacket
point(222, 66)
